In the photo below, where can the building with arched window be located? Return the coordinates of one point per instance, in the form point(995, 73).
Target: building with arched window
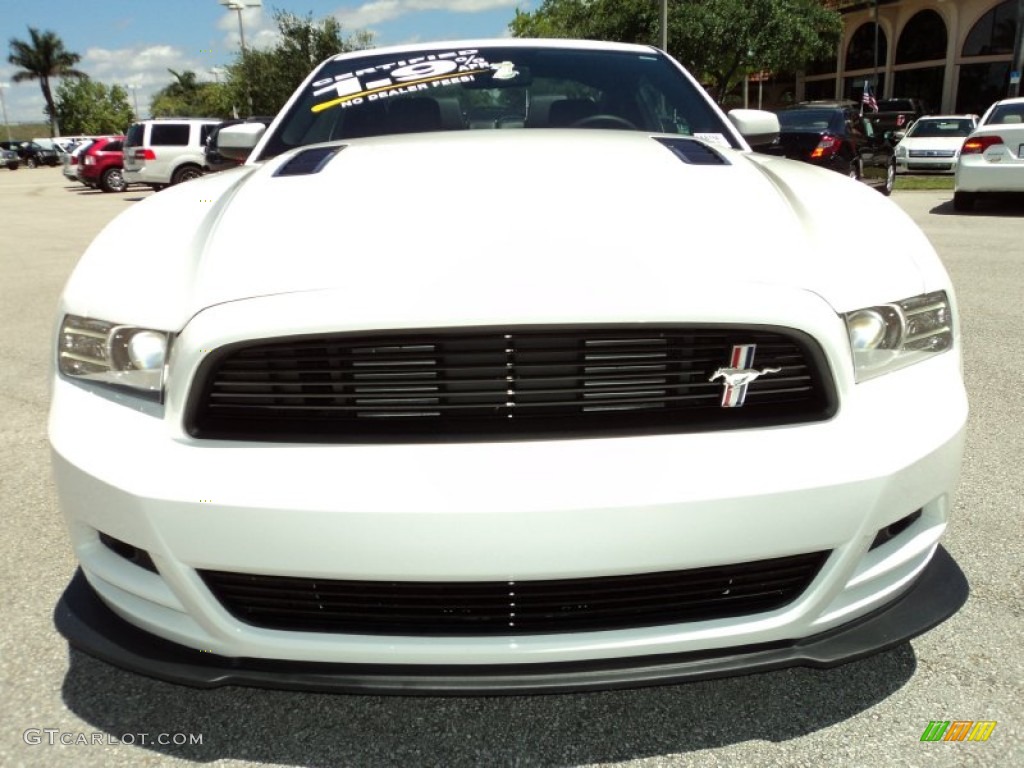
point(956, 55)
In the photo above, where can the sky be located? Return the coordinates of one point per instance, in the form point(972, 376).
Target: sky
point(134, 42)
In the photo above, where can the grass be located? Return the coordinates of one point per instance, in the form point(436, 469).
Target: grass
point(26, 131)
point(925, 182)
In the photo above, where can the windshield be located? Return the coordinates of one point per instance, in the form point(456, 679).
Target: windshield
point(933, 129)
point(1006, 114)
point(811, 119)
point(497, 88)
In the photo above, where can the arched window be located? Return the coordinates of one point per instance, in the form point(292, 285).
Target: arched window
point(821, 66)
point(994, 33)
point(923, 39)
point(861, 52)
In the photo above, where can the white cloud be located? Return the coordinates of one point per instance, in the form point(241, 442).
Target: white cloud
point(378, 11)
point(259, 28)
point(143, 69)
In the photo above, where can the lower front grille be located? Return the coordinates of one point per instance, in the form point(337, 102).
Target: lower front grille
point(508, 383)
point(446, 609)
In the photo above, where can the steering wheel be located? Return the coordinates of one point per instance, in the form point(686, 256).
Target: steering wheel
point(608, 121)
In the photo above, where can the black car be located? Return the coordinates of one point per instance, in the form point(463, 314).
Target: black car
point(835, 135)
point(9, 159)
point(31, 153)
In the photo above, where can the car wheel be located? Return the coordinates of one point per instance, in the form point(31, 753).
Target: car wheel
point(186, 173)
point(963, 201)
point(112, 180)
point(890, 180)
point(31, 162)
point(854, 172)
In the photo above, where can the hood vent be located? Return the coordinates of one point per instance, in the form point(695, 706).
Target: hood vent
point(309, 161)
point(694, 152)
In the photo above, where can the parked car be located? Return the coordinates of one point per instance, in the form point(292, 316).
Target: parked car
point(907, 105)
point(73, 157)
point(166, 151)
point(898, 114)
point(591, 395)
point(10, 159)
point(49, 145)
point(933, 143)
point(835, 135)
point(102, 164)
point(68, 143)
point(992, 158)
point(213, 159)
point(32, 154)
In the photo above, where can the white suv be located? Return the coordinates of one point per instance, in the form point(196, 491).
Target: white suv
point(166, 150)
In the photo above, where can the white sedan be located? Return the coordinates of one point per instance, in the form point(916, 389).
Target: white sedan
point(992, 158)
point(505, 366)
point(933, 143)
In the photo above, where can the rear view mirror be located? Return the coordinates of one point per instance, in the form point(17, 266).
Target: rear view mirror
point(237, 141)
point(757, 126)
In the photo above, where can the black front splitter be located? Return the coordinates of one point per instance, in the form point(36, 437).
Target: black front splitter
point(92, 627)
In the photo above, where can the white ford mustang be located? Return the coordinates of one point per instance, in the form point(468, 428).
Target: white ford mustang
point(505, 366)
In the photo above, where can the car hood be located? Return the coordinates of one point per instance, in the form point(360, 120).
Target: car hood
point(951, 143)
point(510, 224)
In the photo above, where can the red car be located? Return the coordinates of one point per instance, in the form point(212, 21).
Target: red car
point(102, 165)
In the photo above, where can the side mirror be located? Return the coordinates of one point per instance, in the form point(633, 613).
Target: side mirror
point(898, 135)
point(757, 126)
point(237, 141)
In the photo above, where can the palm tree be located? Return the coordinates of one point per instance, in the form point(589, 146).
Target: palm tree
point(44, 57)
point(185, 84)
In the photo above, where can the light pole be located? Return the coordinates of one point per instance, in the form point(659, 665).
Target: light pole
point(3, 104)
point(1018, 54)
point(135, 100)
point(663, 23)
point(238, 6)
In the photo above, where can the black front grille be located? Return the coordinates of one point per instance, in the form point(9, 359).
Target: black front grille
point(513, 607)
point(932, 153)
point(503, 384)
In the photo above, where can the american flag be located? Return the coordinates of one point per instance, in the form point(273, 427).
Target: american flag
point(867, 99)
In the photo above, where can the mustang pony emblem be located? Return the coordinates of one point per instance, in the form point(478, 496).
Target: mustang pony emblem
point(739, 374)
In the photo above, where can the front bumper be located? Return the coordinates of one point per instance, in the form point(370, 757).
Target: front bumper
point(507, 511)
point(92, 627)
point(914, 165)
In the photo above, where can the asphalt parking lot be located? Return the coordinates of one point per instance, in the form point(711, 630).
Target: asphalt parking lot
point(871, 712)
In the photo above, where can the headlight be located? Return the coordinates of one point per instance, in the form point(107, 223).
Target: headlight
point(108, 353)
point(901, 151)
point(892, 336)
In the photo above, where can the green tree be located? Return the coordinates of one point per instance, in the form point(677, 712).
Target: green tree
point(259, 82)
point(88, 107)
point(721, 41)
point(186, 96)
point(43, 58)
point(629, 21)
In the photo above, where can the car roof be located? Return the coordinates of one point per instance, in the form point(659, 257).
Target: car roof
point(1014, 100)
point(502, 42)
point(823, 104)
